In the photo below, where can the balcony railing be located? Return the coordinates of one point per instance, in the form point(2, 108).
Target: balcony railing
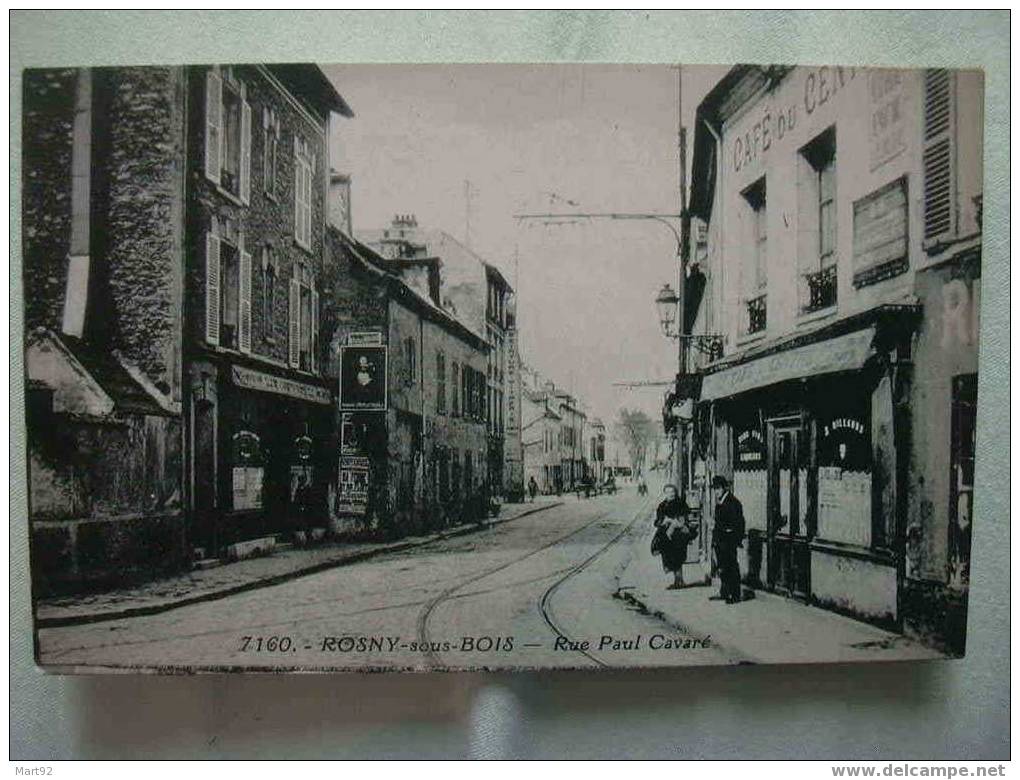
point(756, 315)
point(820, 289)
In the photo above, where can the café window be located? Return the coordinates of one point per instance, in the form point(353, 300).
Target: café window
point(844, 477)
point(750, 476)
point(754, 271)
point(816, 223)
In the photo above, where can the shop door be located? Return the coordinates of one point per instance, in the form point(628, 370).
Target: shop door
point(789, 556)
point(205, 520)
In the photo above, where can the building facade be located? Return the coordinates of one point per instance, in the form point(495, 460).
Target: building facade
point(595, 450)
point(841, 283)
point(257, 404)
point(103, 273)
point(540, 431)
point(174, 221)
point(479, 295)
point(412, 456)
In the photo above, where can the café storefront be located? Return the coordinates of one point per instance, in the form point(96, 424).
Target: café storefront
point(814, 434)
point(260, 444)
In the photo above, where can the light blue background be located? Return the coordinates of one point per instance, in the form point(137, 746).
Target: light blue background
point(950, 710)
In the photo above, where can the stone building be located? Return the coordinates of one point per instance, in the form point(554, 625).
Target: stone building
point(174, 221)
point(103, 271)
point(841, 279)
point(479, 295)
point(258, 411)
point(417, 460)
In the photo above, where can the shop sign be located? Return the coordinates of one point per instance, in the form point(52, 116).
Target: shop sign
point(776, 119)
point(367, 339)
point(513, 379)
point(843, 353)
point(845, 444)
point(267, 383)
point(750, 446)
point(363, 377)
point(888, 116)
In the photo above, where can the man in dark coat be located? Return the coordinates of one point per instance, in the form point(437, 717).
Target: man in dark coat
point(727, 536)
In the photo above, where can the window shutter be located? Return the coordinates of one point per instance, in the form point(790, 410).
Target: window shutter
point(212, 288)
point(245, 152)
point(939, 155)
point(213, 125)
point(315, 329)
point(294, 340)
point(297, 192)
point(244, 303)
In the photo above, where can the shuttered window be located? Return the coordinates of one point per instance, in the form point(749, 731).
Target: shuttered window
point(455, 387)
point(294, 323)
point(939, 154)
point(303, 342)
point(440, 383)
point(244, 302)
point(227, 134)
point(213, 125)
point(212, 288)
point(303, 166)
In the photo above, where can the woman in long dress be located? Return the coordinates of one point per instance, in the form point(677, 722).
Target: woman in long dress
point(673, 534)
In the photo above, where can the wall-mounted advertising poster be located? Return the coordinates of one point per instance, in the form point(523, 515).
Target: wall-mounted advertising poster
point(352, 493)
point(363, 377)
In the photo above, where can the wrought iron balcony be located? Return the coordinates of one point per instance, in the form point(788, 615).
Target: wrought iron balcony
point(820, 289)
point(756, 314)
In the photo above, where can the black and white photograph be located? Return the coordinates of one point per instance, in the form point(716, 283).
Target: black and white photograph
point(439, 367)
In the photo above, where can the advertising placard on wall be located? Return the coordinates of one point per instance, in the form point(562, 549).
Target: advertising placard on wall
point(363, 377)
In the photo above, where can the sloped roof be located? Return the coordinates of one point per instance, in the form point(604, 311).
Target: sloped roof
point(127, 394)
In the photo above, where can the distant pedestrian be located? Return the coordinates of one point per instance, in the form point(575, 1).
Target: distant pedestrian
point(532, 489)
point(673, 533)
point(727, 536)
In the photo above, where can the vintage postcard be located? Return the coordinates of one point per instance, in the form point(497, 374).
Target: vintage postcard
point(447, 367)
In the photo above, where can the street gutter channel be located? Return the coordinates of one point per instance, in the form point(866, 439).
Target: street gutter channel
point(154, 609)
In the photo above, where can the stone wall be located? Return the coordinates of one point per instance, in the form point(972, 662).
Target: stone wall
point(49, 97)
point(138, 210)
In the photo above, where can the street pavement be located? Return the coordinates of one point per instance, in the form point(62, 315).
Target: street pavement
point(208, 583)
point(571, 586)
point(766, 629)
point(537, 592)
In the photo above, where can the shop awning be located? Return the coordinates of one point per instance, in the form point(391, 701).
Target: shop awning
point(847, 352)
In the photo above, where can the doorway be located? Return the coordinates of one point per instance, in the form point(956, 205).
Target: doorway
point(789, 553)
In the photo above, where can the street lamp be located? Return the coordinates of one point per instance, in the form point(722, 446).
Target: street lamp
point(666, 302)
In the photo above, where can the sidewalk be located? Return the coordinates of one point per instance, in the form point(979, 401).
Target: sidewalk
point(208, 584)
point(767, 629)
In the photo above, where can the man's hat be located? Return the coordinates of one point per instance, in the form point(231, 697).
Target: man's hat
point(720, 482)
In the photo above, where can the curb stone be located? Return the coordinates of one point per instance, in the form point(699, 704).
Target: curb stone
point(264, 582)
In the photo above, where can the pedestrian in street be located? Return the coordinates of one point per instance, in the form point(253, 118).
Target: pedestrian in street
point(727, 536)
point(673, 533)
point(532, 488)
